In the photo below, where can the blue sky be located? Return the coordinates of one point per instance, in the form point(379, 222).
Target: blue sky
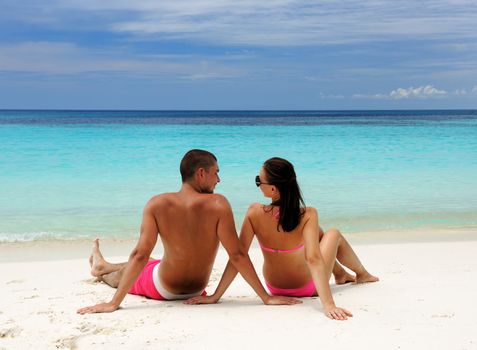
point(204, 54)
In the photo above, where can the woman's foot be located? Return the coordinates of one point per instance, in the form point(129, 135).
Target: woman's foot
point(366, 277)
point(344, 278)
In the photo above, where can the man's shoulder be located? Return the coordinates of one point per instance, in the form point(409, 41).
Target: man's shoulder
point(215, 200)
point(161, 200)
point(164, 196)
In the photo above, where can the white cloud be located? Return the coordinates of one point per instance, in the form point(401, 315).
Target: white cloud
point(292, 22)
point(331, 96)
point(421, 92)
point(272, 22)
point(67, 58)
point(466, 92)
point(375, 96)
point(462, 47)
point(312, 78)
point(427, 91)
point(460, 92)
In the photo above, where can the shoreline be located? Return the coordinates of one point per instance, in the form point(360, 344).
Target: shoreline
point(53, 250)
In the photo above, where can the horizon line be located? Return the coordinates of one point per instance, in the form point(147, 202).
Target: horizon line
point(231, 110)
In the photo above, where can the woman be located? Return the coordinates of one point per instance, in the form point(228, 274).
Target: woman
point(298, 258)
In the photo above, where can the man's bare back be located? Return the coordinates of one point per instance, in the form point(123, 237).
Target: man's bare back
point(187, 223)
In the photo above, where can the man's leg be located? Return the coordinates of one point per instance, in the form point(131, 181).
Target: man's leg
point(105, 271)
point(99, 266)
point(112, 279)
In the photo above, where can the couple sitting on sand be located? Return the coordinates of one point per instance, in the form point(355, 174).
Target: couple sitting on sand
point(298, 257)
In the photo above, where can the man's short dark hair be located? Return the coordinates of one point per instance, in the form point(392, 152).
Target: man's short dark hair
point(193, 160)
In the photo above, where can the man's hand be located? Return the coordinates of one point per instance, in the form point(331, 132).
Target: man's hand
point(103, 307)
point(201, 300)
point(337, 313)
point(280, 300)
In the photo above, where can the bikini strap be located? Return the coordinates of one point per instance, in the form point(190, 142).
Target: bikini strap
point(271, 250)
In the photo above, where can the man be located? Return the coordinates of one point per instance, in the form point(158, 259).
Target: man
point(191, 224)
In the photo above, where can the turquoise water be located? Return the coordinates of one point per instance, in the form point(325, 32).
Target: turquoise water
point(76, 174)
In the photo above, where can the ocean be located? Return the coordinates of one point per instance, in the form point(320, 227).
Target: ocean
point(82, 174)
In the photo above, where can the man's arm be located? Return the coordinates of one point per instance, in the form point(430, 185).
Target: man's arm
point(137, 260)
point(230, 272)
point(246, 238)
point(238, 257)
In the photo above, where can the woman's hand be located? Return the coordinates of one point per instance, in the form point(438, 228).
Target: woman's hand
point(99, 308)
point(202, 300)
point(337, 313)
point(280, 300)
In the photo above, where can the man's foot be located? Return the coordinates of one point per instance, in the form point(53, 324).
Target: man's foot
point(366, 277)
point(344, 278)
point(97, 261)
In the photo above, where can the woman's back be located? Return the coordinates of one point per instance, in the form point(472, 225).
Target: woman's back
point(284, 252)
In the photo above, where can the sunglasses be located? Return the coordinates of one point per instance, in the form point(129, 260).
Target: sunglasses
point(258, 182)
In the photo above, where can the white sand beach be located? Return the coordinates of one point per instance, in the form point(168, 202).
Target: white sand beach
point(426, 299)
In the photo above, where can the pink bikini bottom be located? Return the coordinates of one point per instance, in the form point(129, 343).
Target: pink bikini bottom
point(308, 290)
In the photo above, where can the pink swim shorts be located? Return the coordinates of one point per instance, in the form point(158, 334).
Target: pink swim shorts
point(149, 285)
point(144, 284)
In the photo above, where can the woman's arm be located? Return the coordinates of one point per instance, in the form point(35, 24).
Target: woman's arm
point(319, 270)
point(246, 237)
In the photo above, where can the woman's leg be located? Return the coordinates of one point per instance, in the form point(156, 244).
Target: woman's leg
point(339, 273)
point(334, 246)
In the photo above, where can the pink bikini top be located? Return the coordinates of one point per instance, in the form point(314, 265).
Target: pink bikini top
point(271, 250)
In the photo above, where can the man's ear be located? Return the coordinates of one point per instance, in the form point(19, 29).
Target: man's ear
point(200, 173)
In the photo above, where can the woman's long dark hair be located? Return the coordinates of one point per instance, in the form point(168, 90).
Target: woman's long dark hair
point(281, 174)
